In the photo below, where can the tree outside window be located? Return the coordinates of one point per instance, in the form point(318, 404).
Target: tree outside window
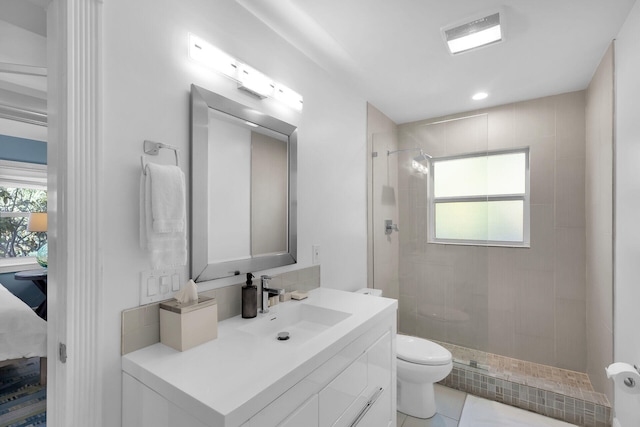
point(15, 205)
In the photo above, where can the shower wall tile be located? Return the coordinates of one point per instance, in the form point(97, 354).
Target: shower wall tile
point(501, 333)
point(429, 326)
point(501, 127)
point(570, 119)
point(510, 296)
point(570, 263)
point(535, 118)
point(535, 348)
point(440, 254)
point(535, 306)
point(541, 254)
point(465, 136)
point(407, 314)
point(542, 169)
point(570, 192)
point(571, 333)
point(570, 146)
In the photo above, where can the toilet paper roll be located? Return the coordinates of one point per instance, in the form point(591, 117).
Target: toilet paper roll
point(625, 377)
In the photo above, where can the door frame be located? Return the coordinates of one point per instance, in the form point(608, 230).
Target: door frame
point(74, 156)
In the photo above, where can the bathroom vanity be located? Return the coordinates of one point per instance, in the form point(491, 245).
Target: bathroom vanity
point(337, 368)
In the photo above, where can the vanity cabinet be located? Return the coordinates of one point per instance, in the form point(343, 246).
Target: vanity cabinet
point(344, 390)
point(345, 378)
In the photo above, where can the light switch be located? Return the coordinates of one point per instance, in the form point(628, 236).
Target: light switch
point(175, 282)
point(152, 286)
point(165, 283)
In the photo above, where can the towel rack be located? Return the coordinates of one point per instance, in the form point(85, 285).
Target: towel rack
point(153, 148)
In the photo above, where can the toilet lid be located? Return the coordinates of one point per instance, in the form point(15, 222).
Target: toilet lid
point(421, 351)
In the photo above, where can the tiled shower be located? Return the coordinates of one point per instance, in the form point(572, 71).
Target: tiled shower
point(525, 304)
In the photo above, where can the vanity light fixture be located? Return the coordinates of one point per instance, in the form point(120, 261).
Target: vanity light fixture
point(480, 96)
point(212, 57)
point(473, 34)
point(255, 82)
point(247, 77)
point(288, 96)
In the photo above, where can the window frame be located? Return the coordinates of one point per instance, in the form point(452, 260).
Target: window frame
point(26, 175)
point(525, 198)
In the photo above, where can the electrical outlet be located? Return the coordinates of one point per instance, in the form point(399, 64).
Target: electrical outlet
point(315, 254)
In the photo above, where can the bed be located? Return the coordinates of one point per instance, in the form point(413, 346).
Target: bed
point(23, 334)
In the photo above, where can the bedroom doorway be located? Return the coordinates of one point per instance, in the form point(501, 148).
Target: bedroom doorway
point(23, 176)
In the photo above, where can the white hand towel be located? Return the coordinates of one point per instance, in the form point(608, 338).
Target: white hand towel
point(168, 209)
point(168, 250)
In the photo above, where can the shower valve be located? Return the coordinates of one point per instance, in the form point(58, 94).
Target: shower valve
point(389, 227)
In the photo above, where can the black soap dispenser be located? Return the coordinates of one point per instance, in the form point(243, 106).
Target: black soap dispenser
point(249, 298)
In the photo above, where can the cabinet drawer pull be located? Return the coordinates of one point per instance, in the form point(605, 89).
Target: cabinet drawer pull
point(372, 400)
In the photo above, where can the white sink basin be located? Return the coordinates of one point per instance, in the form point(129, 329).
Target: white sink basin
point(302, 321)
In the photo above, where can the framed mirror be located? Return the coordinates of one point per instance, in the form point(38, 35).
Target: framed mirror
point(243, 188)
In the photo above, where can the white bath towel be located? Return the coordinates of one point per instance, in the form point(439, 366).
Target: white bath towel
point(167, 249)
point(167, 198)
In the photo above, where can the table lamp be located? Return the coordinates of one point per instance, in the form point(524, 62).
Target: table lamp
point(38, 223)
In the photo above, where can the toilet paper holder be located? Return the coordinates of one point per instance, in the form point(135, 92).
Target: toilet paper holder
point(630, 382)
point(624, 373)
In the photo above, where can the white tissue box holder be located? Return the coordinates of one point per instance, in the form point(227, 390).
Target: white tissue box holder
point(183, 326)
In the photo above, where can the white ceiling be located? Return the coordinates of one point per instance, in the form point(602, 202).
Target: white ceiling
point(392, 50)
point(23, 52)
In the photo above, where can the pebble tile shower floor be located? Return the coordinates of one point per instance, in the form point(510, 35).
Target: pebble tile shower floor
point(553, 392)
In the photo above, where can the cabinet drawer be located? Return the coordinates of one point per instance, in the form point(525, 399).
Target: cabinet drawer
point(306, 415)
point(341, 393)
point(364, 387)
point(276, 411)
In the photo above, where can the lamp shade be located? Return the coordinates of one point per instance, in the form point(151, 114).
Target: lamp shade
point(37, 222)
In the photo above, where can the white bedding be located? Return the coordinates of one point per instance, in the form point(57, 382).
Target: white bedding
point(22, 332)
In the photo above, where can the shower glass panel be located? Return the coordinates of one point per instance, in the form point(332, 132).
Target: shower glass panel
point(384, 197)
point(444, 289)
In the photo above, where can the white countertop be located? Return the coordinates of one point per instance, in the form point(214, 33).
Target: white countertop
point(227, 380)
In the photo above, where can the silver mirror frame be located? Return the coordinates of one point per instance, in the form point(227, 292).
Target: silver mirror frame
point(201, 270)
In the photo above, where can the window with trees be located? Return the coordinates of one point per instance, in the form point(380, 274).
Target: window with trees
point(23, 189)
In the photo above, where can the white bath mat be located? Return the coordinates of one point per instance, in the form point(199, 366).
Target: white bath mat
point(478, 412)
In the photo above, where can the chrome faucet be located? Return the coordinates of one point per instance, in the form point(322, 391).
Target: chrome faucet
point(267, 292)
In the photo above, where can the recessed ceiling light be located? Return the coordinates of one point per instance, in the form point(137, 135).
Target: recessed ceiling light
point(480, 95)
point(474, 34)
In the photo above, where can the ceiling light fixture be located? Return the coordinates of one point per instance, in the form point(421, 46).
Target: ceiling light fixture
point(474, 34)
point(248, 78)
point(479, 96)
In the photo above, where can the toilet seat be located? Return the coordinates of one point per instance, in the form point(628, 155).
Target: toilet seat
point(421, 351)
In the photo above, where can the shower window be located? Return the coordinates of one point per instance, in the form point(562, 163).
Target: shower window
point(480, 199)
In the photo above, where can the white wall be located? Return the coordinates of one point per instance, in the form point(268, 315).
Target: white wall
point(627, 210)
point(146, 96)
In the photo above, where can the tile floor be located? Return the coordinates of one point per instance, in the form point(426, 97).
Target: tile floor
point(449, 403)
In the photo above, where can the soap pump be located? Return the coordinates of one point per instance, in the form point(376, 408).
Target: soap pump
point(249, 298)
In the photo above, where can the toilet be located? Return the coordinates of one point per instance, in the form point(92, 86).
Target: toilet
point(420, 364)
